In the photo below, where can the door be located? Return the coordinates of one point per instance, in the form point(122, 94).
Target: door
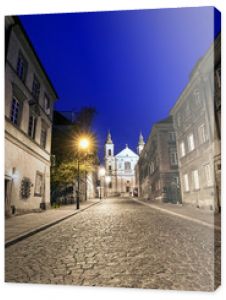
point(8, 184)
point(173, 193)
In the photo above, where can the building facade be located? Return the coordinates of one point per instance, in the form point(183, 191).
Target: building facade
point(29, 99)
point(157, 167)
point(120, 169)
point(197, 118)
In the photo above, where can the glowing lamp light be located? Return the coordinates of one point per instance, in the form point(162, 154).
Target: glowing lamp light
point(83, 143)
point(101, 171)
point(108, 179)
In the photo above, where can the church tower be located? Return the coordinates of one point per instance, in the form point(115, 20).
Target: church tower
point(109, 155)
point(109, 146)
point(141, 144)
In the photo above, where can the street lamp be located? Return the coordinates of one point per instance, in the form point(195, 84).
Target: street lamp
point(83, 144)
point(102, 172)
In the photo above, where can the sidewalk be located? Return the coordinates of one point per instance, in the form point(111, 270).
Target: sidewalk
point(197, 215)
point(22, 226)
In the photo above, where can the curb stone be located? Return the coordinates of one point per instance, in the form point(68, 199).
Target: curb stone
point(43, 227)
point(179, 215)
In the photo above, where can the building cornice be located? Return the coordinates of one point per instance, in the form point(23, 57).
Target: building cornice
point(26, 148)
point(7, 133)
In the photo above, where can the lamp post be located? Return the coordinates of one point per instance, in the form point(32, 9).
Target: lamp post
point(101, 174)
point(83, 145)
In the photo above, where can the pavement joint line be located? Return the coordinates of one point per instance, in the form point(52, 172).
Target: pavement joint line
point(179, 215)
point(45, 226)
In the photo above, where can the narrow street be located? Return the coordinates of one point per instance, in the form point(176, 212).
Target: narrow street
point(118, 243)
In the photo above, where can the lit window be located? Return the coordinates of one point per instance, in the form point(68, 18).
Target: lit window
point(47, 105)
point(182, 149)
point(38, 184)
point(191, 145)
point(195, 176)
point(15, 110)
point(21, 68)
point(186, 183)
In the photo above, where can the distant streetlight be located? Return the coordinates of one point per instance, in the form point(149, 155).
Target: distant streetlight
point(102, 172)
point(83, 144)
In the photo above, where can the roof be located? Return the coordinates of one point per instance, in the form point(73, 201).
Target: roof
point(127, 152)
point(17, 21)
point(60, 119)
point(166, 120)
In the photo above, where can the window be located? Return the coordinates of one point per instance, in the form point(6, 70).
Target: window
point(109, 168)
point(127, 166)
point(47, 104)
point(197, 97)
point(38, 184)
point(32, 126)
point(36, 88)
point(186, 110)
point(172, 136)
point(43, 137)
point(195, 176)
point(157, 185)
point(21, 68)
point(191, 145)
point(110, 185)
point(202, 134)
point(15, 111)
point(208, 174)
point(186, 183)
point(178, 119)
point(173, 159)
point(182, 149)
point(152, 168)
point(109, 152)
point(218, 75)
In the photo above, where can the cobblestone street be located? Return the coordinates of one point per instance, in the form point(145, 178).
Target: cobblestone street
point(121, 243)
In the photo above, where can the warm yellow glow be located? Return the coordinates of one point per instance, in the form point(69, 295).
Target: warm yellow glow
point(107, 179)
point(84, 143)
point(101, 171)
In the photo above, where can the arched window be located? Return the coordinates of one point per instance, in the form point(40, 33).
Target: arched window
point(127, 166)
point(109, 152)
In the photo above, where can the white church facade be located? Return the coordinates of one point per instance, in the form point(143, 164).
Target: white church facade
point(120, 169)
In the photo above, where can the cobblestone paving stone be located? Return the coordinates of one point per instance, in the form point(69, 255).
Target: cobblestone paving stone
point(119, 243)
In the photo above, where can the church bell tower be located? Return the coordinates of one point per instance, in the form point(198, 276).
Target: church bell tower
point(109, 155)
point(141, 144)
point(109, 146)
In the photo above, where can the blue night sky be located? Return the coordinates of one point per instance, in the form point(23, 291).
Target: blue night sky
point(130, 65)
